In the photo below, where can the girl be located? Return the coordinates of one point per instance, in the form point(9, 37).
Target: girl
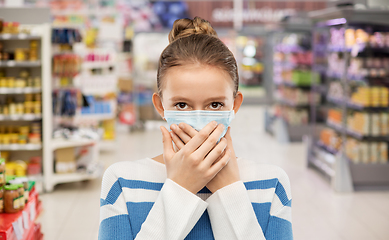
point(197, 189)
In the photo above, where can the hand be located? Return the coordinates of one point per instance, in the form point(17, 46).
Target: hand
point(183, 133)
point(194, 165)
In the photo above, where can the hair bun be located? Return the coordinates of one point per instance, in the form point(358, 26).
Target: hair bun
point(186, 27)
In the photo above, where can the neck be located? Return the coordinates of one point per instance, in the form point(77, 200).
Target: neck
point(159, 159)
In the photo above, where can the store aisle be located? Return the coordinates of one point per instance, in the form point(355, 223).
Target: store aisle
point(72, 210)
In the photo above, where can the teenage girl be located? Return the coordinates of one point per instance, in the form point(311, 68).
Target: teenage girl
point(198, 188)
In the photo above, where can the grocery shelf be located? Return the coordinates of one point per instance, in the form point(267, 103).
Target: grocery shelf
point(20, 90)
point(20, 117)
point(67, 143)
point(89, 65)
point(292, 104)
point(20, 36)
point(107, 145)
point(294, 85)
point(322, 166)
point(355, 106)
point(20, 147)
point(326, 148)
point(355, 134)
point(72, 177)
point(20, 63)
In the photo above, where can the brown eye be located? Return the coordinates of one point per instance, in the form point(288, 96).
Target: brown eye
point(216, 105)
point(181, 106)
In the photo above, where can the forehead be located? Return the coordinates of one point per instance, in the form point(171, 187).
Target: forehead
point(197, 80)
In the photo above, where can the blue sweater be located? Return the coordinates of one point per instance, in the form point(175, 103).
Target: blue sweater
point(139, 202)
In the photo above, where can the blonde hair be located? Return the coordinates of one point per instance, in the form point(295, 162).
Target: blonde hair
point(195, 41)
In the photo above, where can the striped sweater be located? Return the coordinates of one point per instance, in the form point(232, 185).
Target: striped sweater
point(139, 202)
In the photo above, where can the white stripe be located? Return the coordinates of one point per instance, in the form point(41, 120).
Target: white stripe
point(276, 205)
point(144, 170)
point(285, 213)
point(253, 171)
point(140, 195)
point(261, 195)
point(109, 210)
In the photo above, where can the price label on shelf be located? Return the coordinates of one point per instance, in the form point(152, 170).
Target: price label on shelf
point(11, 63)
point(32, 211)
point(26, 221)
point(18, 232)
point(22, 36)
point(6, 36)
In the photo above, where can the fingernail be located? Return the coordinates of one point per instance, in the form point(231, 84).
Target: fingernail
point(214, 123)
point(173, 127)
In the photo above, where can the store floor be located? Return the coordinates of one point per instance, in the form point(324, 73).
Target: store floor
point(72, 210)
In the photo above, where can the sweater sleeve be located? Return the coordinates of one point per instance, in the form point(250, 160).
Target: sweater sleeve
point(232, 215)
point(172, 216)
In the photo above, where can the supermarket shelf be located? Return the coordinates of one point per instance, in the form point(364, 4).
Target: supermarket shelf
point(83, 118)
point(72, 177)
point(292, 104)
point(67, 143)
point(322, 166)
point(291, 84)
point(20, 64)
point(335, 101)
point(20, 117)
point(355, 106)
point(20, 90)
point(106, 64)
point(20, 36)
point(78, 176)
point(357, 135)
point(107, 145)
point(369, 174)
point(20, 147)
point(326, 148)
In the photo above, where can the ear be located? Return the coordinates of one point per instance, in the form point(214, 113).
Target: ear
point(157, 101)
point(238, 101)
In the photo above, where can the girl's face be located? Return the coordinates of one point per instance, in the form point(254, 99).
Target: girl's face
point(197, 87)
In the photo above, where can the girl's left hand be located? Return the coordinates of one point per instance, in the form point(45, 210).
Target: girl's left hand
point(229, 174)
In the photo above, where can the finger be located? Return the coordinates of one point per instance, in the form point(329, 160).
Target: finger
point(219, 165)
point(200, 138)
point(168, 150)
point(181, 134)
point(188, 129)
point(177, 140)
point(228, 136)
point(210, 143)
point(216, 153)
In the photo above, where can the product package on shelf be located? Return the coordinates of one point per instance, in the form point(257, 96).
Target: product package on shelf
point(366, 152)
point(21, 207)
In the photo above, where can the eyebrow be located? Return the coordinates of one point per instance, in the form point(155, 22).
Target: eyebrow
point(179, 98)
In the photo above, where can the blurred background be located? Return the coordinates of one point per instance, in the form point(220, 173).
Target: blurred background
point(77, 76)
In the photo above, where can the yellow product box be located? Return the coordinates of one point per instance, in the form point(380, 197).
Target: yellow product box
point(383, 152)
point(384, 97)
point(375, 96)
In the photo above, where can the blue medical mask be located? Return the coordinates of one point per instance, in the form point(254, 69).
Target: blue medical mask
point(198, 119)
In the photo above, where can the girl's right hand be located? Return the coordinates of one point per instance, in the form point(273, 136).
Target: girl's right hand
point(195, 164)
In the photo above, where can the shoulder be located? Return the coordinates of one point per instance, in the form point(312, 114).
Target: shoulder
point(139, 169)
point(251, 171)
point(265, 175)
point(145, 170)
